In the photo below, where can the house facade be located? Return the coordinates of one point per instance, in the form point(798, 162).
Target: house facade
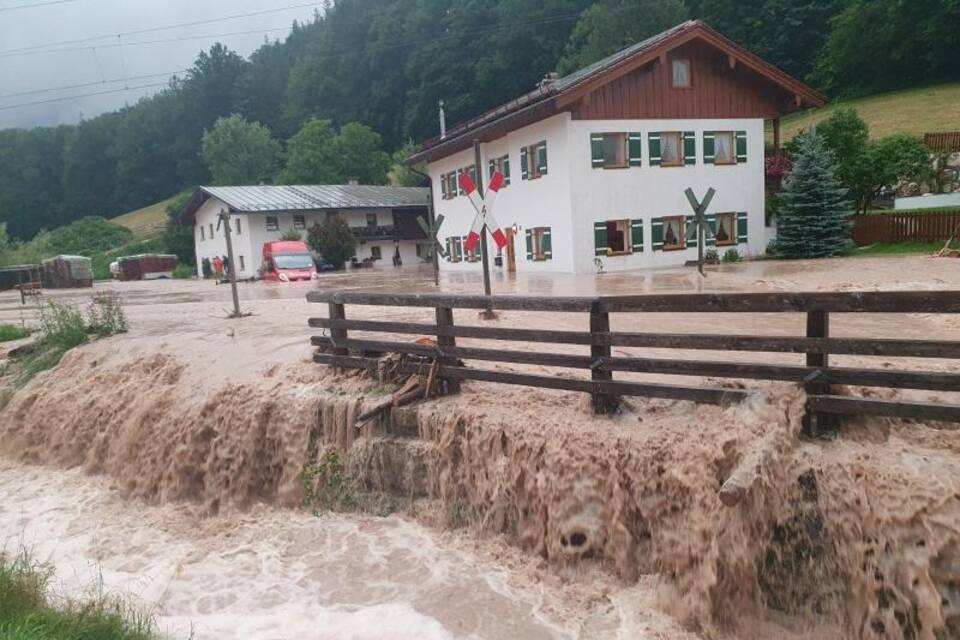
point(382, 219)
point(596, 163)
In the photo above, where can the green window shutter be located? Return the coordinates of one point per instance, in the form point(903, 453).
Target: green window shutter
point(709, 147)
point(542, 158)
point(443, 187)
point(523, 164)
point(741, 146)
point(636, 235)
point(656, 233)
point(635, 148)
point(596, 150)
point(460, 190)
point(529, 244)
point(447, 247)
point(690, 228)
point(654, 144)
point(506, 170)
point(491, 168)
point(689, 147)
point(742, 226)
point(600, 238)
point(712, 223)
point(546, 244)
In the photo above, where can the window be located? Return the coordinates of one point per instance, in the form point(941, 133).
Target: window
point(723, 149)
point(299, 222)
point(539, 244)
point(681, 73)
point(454, 249)
point(237, 225)
point(671, 154)
point(501, 164)
point(471, 171)
point(674, 233)
point(272, 223)
point(533, 161)
point(618, 236)
point(243, 266)
point(203, 233)
point(371, 219)
point(726, 229)
point(211, 231)
point(448, 185)
point(375, 253)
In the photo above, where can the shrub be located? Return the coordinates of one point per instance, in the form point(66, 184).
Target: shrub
point(731, 255)
point(184, 272)
point(105, 315)
point(326, 485)
point(333, 240)
point(88, 236)
point(291, 235)
point(711, 256)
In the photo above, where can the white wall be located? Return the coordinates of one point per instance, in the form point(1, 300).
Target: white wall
point(525, 203)
point(253, 234)
point(573, 195)
point(648, 192)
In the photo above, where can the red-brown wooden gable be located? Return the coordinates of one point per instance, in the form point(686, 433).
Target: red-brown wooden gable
point(717, 91)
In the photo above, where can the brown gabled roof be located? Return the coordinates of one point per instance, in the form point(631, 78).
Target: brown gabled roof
point(554, 97)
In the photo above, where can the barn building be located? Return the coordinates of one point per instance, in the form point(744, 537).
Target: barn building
point(596, 162)
point(383, 219)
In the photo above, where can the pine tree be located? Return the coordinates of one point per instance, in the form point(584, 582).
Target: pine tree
point(814, 218)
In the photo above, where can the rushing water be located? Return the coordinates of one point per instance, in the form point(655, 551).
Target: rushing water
point(265, 574)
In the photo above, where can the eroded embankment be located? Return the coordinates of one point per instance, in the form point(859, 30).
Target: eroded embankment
point(863, 530)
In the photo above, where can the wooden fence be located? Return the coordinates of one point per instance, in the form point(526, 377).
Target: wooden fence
point(930, 227)
point(341, 350)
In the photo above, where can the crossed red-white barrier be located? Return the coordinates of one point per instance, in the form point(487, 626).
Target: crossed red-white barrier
point(483, 205)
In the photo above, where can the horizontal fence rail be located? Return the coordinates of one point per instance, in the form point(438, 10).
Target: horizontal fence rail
point(817, 376)
point(930, 227)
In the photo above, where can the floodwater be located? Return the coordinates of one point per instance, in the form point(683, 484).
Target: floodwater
point(268, 573)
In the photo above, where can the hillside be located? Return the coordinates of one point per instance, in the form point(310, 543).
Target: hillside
point(147, 222)
point(912, 111)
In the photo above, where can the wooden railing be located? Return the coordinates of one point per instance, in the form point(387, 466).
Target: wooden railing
point(341, 350)
point(936, 226)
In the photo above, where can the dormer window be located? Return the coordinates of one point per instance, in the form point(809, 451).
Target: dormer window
point(681, 73)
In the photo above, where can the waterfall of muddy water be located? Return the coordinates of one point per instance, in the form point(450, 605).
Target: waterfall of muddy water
point(263, 574)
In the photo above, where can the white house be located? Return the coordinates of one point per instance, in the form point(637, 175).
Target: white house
point(597, 162)
point(383, 219)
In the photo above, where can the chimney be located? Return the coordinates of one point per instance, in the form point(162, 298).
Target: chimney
point(548, 80)
point(353, 181)
point(443, 122)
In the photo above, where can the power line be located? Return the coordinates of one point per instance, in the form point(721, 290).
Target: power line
point(90, 84)
point(155, 29)
point(83, 95)
point(36, 4)
point(144, 42)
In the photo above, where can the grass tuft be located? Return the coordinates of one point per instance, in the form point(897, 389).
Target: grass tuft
point(10, 332)
point(27, 613)
point(897, 248)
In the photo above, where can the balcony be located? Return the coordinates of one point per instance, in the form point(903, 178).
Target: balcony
point(375, 233)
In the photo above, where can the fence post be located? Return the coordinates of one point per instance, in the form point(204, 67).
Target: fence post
point(336, 311)
point(600, 324)
point(816, 424)
point(445, 319)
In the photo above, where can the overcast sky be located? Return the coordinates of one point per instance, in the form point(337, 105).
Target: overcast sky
point(101, 63)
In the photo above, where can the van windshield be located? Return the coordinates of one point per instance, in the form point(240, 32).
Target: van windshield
point(293, 261)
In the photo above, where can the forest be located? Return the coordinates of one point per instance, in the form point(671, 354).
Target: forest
point(381, 66)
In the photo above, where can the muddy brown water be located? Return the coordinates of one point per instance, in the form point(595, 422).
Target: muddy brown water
point(195, 429)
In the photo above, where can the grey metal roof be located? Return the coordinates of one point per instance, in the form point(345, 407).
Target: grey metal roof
point(305, 197)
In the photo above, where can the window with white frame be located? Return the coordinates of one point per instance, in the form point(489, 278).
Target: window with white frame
point(272, 223)
point(371, 219)
point(237, 225)
point(203, 233)
point(299, 222)
point(501, 164)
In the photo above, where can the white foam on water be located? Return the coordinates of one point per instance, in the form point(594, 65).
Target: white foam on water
point(265, 574)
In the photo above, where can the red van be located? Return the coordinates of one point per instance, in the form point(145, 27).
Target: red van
point(286, 261)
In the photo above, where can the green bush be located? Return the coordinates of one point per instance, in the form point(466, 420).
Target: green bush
point(184, 272)
point(731, 255)
point(105, 316)
point(88, 236)
point(711, 256)
point(10, 332)
point(333, 240)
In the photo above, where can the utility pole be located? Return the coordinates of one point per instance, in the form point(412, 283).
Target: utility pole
point(224, 219)
point(488, 313)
